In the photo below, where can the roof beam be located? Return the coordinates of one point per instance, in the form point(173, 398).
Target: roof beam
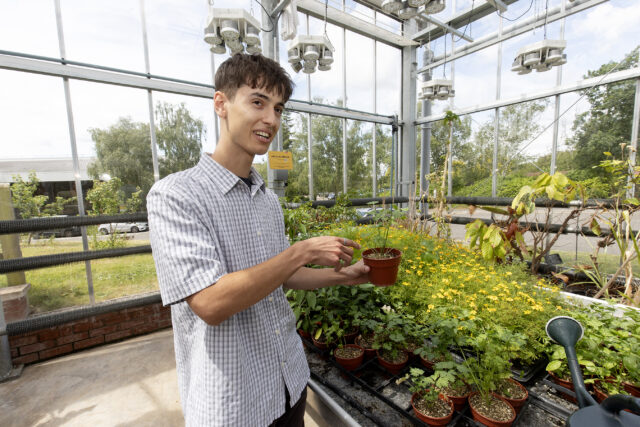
point(446, 27)
point(499, 5)
point(359, 26)
point(279, 8)
point(479, 10)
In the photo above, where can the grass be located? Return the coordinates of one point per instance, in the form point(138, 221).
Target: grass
point(66, 285)
point(608, 263)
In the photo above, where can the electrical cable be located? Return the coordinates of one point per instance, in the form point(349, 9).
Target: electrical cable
point(513, 20)
point(468, 23)
point(273, 25)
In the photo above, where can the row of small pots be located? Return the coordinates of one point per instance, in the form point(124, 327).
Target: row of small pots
point(600, 395)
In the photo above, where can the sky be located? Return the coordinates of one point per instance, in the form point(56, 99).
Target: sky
point(33, 118)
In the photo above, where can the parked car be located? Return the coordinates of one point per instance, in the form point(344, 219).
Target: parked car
point(59, 232)
point(123, 227)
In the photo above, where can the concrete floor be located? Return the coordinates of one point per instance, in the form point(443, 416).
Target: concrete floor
point(130, 383)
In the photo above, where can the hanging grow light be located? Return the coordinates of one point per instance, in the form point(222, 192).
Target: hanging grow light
point(232, 29)
point(437, 89)
point(391, 6)
point(434, 6)
point(417, 3)
point(540, 56)
point(308, 53)
point(407, 11)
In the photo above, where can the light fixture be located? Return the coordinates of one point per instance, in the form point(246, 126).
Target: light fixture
point(251, 35)
point(229, 30)
point(391, 6)
point(407, 12)
point(211, 35)
point(220, 49)
point(434, 6)
point(294, 55)
point(232, 29)
point(417, 3)
point(307, 53)
point(254, 49)
point(540, 56)
point(437, 89)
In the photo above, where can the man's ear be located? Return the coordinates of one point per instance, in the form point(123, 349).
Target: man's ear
point(220, 101)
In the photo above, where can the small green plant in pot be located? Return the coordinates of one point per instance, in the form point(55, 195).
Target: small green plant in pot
point(390, 341)
point(383, 261)
point(427, 402)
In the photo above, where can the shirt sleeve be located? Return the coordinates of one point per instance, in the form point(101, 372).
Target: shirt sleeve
point(184, 249)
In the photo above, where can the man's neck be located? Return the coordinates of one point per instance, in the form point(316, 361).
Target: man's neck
point(237, 163)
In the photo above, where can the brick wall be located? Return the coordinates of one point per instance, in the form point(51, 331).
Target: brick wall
point(46, 343)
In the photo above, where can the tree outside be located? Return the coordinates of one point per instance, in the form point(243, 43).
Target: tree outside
point(124, 149)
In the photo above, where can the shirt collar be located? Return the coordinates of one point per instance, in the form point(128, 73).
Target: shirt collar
point(224, 178)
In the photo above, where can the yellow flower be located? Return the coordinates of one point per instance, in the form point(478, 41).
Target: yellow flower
point(559, 307)
point(491, 309)
point(527, 312)
point(405, 283)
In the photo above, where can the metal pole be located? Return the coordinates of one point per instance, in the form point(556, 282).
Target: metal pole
point(634, 134)
point(152, 126)
point(309, 134)
point(269, 50)
point(74, 152)
point(496, 121)
point(216, 130)
point(425, 153)
point(451, 104)
point(344, 97)
point(374, 165)
point(407, 149)
point(556, 113)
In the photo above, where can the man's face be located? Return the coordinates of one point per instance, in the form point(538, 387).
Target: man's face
point(253, 119)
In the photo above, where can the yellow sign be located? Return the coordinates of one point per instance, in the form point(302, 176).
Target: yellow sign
point(280, 160)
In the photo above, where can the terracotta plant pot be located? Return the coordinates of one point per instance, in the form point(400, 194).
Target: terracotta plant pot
point(369, 353)
point(391, 367)
point(516, 403)
point(633, 390)
point(350, 364)
point(350, 337)
point(459, 402)
point(600, 393)
point(320, 345)
point(484, 419)
point(304, 334)
point(566, 384)
point(383, 271)
point(432, 421)
point(429, 364)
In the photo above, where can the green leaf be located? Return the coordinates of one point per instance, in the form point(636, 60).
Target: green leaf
point(487, 250)
point(554, 365)
point(311, 300)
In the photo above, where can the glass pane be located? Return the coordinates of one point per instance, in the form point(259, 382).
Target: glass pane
point(389, 79)
point(327, 154)
point(18, 37)
point(359, 158)
point(359, 72)
point(184, 129)
point(104, 33)
point(176, 45)
point(112, 126)
point(383, 159)
point(294, 139)
point(475, 78)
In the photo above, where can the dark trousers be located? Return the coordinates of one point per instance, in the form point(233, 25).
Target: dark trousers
point(294, 416)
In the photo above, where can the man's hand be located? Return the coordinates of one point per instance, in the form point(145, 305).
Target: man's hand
point(329, 251)
point(356, 274)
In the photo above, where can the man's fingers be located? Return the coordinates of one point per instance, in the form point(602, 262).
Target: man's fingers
point(347, 242)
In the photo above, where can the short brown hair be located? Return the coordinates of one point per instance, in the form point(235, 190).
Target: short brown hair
point(253, 71)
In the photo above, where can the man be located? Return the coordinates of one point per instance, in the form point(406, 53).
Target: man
point(222, 259)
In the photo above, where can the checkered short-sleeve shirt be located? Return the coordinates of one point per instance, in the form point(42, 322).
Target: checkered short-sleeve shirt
point(204, 223)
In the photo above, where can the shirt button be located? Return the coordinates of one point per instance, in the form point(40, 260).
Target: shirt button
point(283, 364)
point(277, 331)
point(270, 299)
point(259, 233)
